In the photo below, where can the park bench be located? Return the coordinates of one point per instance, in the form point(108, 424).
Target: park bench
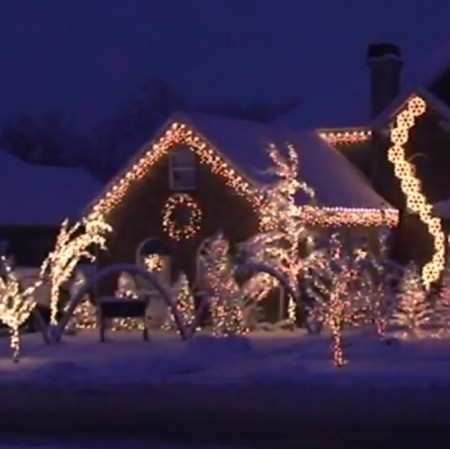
point(113, 307)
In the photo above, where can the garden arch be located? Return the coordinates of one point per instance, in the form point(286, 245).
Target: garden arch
point(151, 278)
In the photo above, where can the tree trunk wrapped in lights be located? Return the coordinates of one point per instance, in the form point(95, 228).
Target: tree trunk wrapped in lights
point(72, 244)
point(15, 305)
point(226, 304)
point(283, 225)
point(378, 275)
point(332, 283)
point(184, 301)
point(413, 309)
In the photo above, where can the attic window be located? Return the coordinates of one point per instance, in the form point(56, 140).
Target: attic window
point(183, 169)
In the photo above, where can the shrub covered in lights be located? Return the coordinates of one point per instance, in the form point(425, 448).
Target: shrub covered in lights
point(184, 301)
point(16, 304)
point(413, 307)
point(225, 297)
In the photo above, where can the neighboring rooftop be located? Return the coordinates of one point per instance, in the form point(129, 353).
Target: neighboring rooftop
point(42, 195)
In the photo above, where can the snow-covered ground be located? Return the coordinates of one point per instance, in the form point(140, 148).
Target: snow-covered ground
point(266, 358)
point(267, 386)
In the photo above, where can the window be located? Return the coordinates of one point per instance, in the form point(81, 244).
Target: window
point(183, 165)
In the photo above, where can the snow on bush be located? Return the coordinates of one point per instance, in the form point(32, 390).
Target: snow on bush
point(413, 309)
point(184, 301)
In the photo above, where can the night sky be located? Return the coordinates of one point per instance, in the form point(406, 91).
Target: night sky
point(85, 56)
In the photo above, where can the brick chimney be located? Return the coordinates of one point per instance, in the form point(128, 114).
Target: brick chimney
point(385, 64)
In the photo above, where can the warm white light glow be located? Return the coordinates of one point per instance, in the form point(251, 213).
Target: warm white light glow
point(181, 231)
point(182, 297)
point(181, 134)
point(154, 263)
point(416, 201)
point(72, 244)
point(178, 133)
point(345, 137)
point(16, 304)
point(226, 304)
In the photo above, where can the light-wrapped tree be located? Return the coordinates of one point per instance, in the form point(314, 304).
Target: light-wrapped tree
point(16, 305)
point(72, 244)
point(283, 224)
point(413, 309)
point(333, 285)
point(378, 275)
point(225, 298)
point(441, 312)
point(184, 302)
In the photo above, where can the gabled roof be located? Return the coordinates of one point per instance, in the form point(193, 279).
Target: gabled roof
point(387, 114)
point(336, 181)
point(242, 145)
point(42, 195)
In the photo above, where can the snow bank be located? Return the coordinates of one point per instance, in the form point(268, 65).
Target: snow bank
point(281, 358)
point(269, 386)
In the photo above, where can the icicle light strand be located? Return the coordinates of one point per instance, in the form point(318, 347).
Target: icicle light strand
point(345, 137)
point(180, 133)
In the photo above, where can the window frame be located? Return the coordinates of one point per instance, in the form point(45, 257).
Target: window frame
point(173, 168)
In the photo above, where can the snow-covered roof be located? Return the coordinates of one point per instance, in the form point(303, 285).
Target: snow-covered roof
point(386, 115)
point(336, 181)
point(41, 195)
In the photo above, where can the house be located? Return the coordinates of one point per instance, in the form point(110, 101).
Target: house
point(169, 199)
point(403, 148)
point(202, 173)
point(35, 200)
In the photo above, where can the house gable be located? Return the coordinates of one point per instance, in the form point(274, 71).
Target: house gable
point(353, 143)
point(410, 127)
point(342, 190)
point(180, 219)
point(174, 134)
point(428, 144)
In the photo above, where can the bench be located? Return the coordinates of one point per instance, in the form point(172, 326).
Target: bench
point(112, 307)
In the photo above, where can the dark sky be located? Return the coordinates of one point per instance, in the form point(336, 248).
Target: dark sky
point(84, 56)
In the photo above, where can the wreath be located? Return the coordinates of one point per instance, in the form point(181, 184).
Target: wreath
point(181, 217)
